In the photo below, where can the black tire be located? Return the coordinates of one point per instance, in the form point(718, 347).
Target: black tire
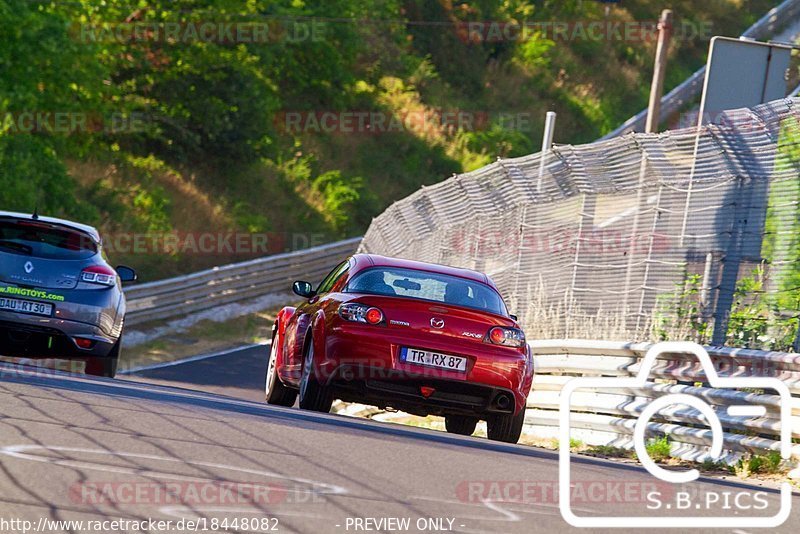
point(277, 393)
point(460, 424)
point(506, 428)
point(313, 395)
point(105, 367)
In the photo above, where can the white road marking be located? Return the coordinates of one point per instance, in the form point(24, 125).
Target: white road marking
point(21, 452)
point(508, 515)
point(134, 370)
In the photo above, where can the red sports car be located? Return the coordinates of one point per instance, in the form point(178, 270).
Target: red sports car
point(417, 337)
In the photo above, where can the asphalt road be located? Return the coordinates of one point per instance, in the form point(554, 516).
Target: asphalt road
point(196, 442)
point(239, 373)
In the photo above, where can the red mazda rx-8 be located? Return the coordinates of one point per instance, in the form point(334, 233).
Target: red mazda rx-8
point(417, 337)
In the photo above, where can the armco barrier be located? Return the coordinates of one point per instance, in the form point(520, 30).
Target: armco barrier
point(608, 417)
point(238, 282)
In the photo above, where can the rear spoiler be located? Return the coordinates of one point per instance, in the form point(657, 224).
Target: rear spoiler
point(95, 238)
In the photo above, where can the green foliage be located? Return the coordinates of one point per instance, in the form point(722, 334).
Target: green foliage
point(249, 219)
point(208, 111)
point(782, 228)
point(342, 198)
point(758, 464)
point(659, 449)
point(711, 465)
point(755, 320)
point(534, 52)
point(680, 315)
point(33, 177)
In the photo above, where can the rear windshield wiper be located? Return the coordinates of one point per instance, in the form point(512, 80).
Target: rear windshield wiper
point(16, 247)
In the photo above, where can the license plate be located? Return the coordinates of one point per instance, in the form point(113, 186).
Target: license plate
point(26, 306)
point(433, 359)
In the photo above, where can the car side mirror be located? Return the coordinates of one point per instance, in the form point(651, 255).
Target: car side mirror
point(126, 274)
point(514, 317)
point(304, 289)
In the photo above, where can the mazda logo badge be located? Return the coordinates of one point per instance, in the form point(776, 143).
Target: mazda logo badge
point(437, 323)
point(29, 267)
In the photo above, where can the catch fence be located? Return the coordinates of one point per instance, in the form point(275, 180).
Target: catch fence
point(683, 234)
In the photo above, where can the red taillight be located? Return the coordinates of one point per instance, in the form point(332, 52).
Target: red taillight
point(427, 391)
point(84, 343)
point(510, 337)
point(360, 313)
point(99, 274)
point(374, 316)
point(497, 335)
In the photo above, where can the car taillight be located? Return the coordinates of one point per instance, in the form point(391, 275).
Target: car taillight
point(99, 274)
point(374, 316)
point(510, 337)
point(360, 313)
point(84, 343)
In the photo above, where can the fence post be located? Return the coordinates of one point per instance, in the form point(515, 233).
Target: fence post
point(660, 70)
point(547, 144)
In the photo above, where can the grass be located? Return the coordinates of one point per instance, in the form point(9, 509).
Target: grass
point(659, 449)
point(575, 444)
point(203, 338)
point(758, 464)
point(607, 451)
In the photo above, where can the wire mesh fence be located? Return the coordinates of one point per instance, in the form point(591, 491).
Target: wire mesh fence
point(688, 233)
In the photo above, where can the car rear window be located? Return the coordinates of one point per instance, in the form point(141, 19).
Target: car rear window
point(46, 241)
point(425, 285)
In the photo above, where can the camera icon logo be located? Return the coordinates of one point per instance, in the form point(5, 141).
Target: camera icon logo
point(674, 476)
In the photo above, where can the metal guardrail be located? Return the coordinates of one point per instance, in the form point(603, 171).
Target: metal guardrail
point(238, 282)
point(691, 88)
point(608, 417)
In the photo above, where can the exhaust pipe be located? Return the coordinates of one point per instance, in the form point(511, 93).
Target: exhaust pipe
point(503, 401)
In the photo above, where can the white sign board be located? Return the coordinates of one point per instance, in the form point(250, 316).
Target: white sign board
point(743, 74)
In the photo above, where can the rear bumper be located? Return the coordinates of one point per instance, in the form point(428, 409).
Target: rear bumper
point(363, 365)
point(51, 338)
point(103, 309)
point(404, 392)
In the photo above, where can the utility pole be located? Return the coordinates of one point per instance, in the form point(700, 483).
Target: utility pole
point(653, 120)
point(657, 87)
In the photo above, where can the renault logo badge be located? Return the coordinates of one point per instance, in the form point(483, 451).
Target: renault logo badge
point(28, 267)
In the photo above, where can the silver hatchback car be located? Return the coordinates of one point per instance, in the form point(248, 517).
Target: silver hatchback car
point(59, 298)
